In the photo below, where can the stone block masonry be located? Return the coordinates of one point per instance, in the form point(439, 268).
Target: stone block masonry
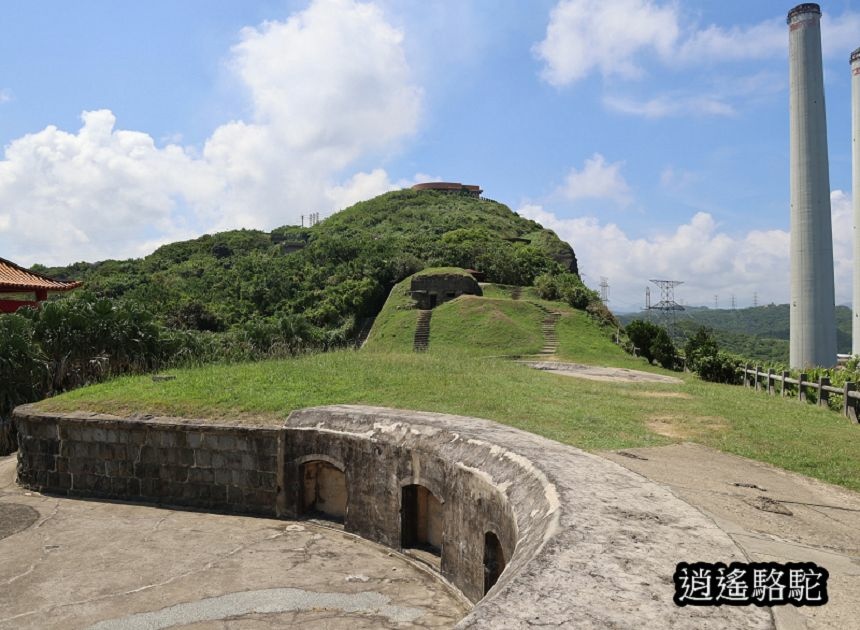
point(582, 541)
point(202, 466)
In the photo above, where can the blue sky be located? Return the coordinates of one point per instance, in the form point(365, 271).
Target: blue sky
point(651, 135)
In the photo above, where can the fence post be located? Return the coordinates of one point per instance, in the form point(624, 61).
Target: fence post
point(746, 374)
point(849, 407)
point(823, 395)
point(757, 384)
point(801, 387)
point(784, 376)
point(770, 383)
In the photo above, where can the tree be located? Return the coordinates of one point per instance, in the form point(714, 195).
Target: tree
point(653, 342)
point(700, 346)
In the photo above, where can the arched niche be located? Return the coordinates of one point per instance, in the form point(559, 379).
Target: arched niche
point(494, 560)
point(323, 489)
point(421, 519)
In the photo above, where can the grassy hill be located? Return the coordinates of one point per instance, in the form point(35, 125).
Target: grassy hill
point(760, 332)
point(464, 372)
point(332, 273)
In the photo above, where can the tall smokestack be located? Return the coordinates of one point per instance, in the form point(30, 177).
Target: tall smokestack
point(813, 310)
point(855, 193)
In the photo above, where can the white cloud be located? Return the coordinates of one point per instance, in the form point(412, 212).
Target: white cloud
point(709, 259)
point(677, 179)
point(329, 87)
point(669, 105)
point(597, 180)
point(716, 44)
point(360, 186)
point(622, 37)
point(5, 96)
point(587, 35)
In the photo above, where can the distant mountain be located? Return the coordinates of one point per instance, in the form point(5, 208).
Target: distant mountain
point(759, 332)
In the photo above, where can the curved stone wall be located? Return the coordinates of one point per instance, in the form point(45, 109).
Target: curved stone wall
point(586, 543)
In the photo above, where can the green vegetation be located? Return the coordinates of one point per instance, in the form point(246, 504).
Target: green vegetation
point(332, 273)
point(587, 414)
point(760, 333)
point(653, 343)
point(456, 376)
point(245, 295)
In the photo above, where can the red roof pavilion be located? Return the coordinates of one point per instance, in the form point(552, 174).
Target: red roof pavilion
point(15, 280)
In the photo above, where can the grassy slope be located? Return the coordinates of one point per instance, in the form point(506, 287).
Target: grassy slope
point(591, 415)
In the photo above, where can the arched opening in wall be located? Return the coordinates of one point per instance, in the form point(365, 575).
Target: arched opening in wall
point(421, 520)
point(323, 491)
point(494, 560)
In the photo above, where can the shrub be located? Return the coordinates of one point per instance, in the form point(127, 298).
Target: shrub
point(720, 367)
point(700, 346)
point(565, 286)
point(653, 342)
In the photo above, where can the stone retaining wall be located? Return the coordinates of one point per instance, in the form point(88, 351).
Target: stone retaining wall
point(587, 543)
point(202, 466)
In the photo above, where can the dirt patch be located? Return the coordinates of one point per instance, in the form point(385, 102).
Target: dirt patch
point(679, 395)
point(683, 426)
point(15, 517)
point(667, 429)
point(596, 373)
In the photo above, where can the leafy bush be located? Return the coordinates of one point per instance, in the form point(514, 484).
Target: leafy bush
point(565, 286)
point(720, 367)
point(700, 346)
point(653, 342)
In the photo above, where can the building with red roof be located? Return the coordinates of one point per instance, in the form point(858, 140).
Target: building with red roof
point(20, 287)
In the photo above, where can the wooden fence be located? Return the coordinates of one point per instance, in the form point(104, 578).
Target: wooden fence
point(755, 377)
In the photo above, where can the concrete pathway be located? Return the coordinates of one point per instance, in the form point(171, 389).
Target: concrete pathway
point(773, 515)
point(67, 563)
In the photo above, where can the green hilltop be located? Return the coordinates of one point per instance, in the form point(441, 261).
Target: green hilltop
point(331, 274)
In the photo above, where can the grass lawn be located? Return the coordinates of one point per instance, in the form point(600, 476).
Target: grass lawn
point(458, 377)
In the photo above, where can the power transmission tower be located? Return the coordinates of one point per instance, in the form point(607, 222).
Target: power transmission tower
point(716, 301)
point(667, 307)
point(604, 289)
point(733, 301)
point(755, 298)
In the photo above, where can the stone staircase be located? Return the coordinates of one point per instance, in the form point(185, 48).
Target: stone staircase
point(516, 292)
point(422, 331)
point(547, 327)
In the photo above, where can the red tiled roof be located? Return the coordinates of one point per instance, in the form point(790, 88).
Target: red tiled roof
point(15, 278)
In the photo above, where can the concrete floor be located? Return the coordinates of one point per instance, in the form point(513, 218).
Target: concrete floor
point(68, 563)
point(773, 515)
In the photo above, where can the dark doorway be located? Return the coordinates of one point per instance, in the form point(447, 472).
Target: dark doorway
point(494, 560)
point(323, 491)
point(420, 520)
point(433, 298)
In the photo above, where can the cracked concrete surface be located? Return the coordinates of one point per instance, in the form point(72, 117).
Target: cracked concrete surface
point(607, 374)
point(87, 564)
point(773, 515)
